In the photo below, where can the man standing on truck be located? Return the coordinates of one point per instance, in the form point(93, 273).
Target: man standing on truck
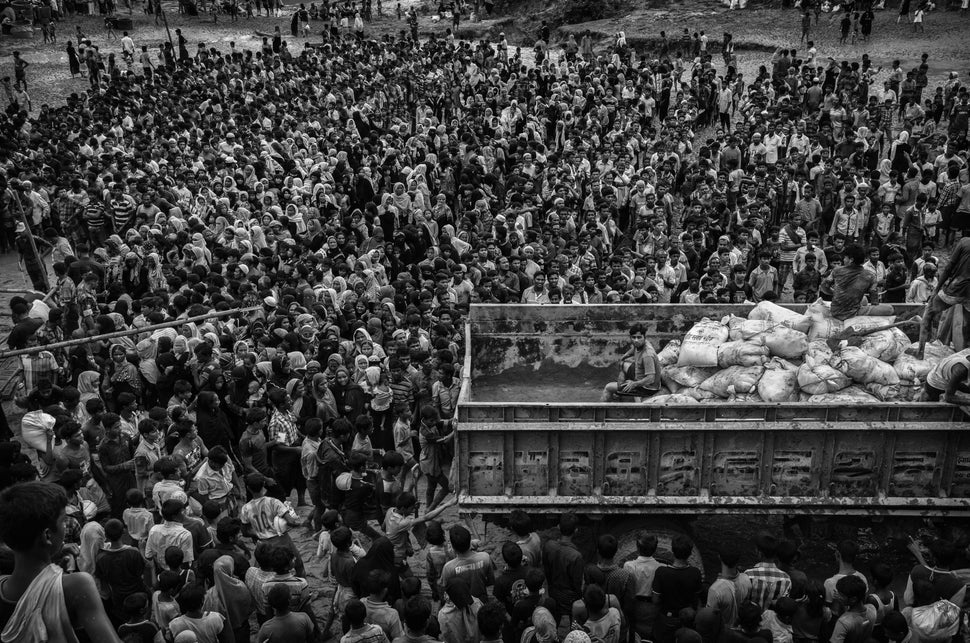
point(639, 375)
point(953, 289)
point(949, 377)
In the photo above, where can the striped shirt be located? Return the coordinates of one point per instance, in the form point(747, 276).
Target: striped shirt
point(94, 215)
point(403, 394)
point(42, 366)
point(768, 584)
point(122, 211)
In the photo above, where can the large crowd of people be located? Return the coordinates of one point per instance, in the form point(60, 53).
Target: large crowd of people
point(340, 207)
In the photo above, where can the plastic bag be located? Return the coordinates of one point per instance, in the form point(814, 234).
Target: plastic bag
point(744, 379)
point(820, 309)
point(699, 347)
point(885, 345)
point(934, 351)
point(910, 368)
point(39, 310)
point(817, 376)
point(851, 395)
point(744, 398)
point(701, 395)
point(867, 322)
point(682, 376)
point(781, 340)
point(824, 328)
point(863, 368)
point(819, 349)
point(742, 353)
point(670, 353)
point(34, 427)
point(885, 392)
point(734, 325)
point(772, 312)
point(673, 398)
point(938, 621)
point(911, 391)
point(779, 382)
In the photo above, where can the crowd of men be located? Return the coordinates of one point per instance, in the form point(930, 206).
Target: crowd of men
point(340, 207)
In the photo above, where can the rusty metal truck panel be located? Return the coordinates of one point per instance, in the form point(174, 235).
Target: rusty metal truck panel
point(555, 453)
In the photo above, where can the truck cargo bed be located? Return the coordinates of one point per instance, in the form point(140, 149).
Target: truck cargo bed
point(549, 455)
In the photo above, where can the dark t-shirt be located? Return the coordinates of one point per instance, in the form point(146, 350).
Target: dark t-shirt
point(852, 283)
point(253, 445)
point(123, 570)
point(510, 586)
point(295, 627)
point(945, 583)
point(678, 587)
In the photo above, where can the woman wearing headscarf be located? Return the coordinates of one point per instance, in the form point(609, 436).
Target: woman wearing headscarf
point(88, 385)
point(362, 339)
point(113, 267)
point(195, 256)
point(458, 617)
point(321, 401)
point(900, 153)
point(156, 276)
point(121, 376)
point(335, 362)
point(135, 276)
point(360, 366)
point(281, 372)
point(401, 199)
point(376, 386)
point(349, 396)
point(92, 540)
point(212, 423)
point(380, 556)
point(230, 597)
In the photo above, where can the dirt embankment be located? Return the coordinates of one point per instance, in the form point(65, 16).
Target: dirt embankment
point(758, 30)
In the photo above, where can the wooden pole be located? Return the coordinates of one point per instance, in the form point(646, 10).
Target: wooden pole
point(30, 237)
point(70, 343)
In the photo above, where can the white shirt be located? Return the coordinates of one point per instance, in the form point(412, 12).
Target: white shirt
point(261, 514)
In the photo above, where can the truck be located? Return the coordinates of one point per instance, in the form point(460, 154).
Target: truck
point(533, 435)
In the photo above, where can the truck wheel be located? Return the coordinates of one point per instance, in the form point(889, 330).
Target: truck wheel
point(628, 530)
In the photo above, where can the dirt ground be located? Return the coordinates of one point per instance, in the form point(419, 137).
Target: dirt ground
point(757, 33)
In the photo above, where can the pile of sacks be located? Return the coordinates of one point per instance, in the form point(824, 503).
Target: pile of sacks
point(777, 355)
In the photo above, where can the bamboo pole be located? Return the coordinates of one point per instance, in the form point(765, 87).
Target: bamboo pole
point(21, 291)
point(70, 343)
point(30, 237)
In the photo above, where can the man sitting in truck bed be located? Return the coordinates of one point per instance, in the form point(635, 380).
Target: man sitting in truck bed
point(639, 375)
point(850, 284)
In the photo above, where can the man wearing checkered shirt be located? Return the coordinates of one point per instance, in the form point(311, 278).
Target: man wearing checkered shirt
point(768, 583)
